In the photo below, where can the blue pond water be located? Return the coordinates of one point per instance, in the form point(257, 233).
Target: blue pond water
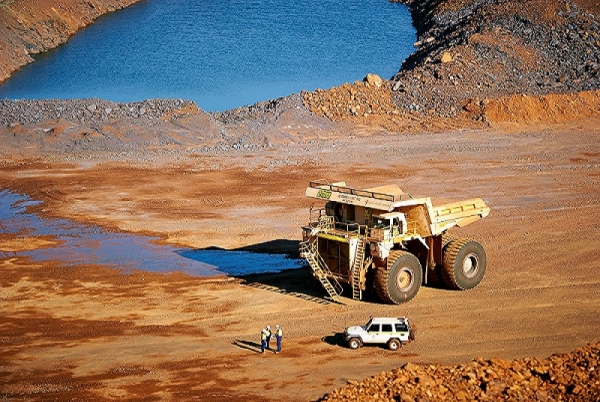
point(221, 53)
point(84, 244)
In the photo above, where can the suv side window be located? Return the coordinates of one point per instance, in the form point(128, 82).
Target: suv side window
point(386, 328)
point(374, 328)
point(401, 327)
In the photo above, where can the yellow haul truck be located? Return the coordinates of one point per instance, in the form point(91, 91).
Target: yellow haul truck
point(384, 240)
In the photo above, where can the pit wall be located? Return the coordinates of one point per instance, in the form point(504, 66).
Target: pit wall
point(28, 27)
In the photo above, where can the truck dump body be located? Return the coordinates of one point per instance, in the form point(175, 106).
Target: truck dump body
point(392, 198)
point(359, 229)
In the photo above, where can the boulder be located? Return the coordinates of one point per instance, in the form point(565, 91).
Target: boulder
point(446, 57)
point(373, 79)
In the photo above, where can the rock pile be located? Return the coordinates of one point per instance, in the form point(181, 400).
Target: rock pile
point(358, 99)
point(13, 112)
point(571, 376)
point(498, 48)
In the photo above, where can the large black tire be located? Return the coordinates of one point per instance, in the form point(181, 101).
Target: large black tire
point(464, 264)
point(401, 280)
point(434, 274)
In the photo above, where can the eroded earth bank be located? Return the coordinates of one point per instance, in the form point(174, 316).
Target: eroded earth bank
point(501, 103)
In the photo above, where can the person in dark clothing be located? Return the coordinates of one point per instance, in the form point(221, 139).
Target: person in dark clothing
point(269, 335)
point(279, 337)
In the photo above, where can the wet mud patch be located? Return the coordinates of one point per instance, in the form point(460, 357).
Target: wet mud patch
point(72, 244)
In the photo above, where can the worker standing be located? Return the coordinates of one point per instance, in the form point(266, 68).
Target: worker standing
point(269, 334)
point(278, 336)
point(263, 340)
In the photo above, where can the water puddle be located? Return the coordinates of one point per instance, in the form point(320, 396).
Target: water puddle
point(76, 244)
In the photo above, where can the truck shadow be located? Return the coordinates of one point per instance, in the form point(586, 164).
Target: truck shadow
point(297, 282)
point(276, 266)
point(284, 271)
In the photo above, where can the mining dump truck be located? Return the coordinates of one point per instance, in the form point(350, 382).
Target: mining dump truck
point(383, 242)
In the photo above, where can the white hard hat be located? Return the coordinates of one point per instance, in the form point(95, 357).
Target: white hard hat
point(276, 326)
point(268, 327)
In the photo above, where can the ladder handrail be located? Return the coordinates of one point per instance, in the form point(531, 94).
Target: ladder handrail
point(357, 268)
point(323, 266)
point(309, 250)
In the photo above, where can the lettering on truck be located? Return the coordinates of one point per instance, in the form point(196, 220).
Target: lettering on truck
point(324, 194)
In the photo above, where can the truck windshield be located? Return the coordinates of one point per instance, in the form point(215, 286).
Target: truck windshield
point(380, 223)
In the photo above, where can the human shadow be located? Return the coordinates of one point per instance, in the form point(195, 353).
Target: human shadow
point(248, 345)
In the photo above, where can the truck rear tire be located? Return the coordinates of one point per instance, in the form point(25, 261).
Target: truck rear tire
point(464, 264)
point(401, 280)
point(434, 274)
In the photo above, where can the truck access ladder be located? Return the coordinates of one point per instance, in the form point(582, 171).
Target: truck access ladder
point(359, 257)
point(308, 250)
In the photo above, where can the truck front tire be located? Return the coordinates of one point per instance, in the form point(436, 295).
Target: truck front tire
point(401, 280)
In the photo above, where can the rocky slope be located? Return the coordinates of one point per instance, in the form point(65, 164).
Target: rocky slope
point(471, 51)
point(28, 27)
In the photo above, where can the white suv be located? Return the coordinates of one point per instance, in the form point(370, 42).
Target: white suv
point(391, 331)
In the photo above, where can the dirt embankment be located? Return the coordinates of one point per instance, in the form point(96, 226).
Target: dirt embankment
point(33, 26)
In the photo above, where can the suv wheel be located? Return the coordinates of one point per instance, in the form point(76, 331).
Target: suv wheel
point(394, 344)
point(354, 343)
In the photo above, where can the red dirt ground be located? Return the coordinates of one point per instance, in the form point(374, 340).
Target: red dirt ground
point(89, 332)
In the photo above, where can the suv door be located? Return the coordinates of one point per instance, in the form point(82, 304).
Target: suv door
point(387, 332)
point(372, 334)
